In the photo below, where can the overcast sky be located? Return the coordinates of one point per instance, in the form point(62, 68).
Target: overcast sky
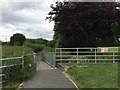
point(27, 18)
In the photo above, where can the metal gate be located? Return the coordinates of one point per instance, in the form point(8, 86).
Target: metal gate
point(86, 55)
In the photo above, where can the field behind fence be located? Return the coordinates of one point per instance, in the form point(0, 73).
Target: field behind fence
point(18, 63)
point(87, 55)
point(100, 55)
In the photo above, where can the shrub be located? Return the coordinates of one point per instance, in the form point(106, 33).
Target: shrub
point(35, 47)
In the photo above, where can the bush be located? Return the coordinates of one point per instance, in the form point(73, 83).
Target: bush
point(35, 47)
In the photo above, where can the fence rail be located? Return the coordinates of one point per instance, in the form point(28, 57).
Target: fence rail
point(86, 55)
point(81, 56)
point(10, 58)
point(16, 61)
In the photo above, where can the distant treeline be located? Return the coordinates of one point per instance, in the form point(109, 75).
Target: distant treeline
point(35, 44)
point(38, 44)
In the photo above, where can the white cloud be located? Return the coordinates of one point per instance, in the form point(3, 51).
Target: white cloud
point(26, 17)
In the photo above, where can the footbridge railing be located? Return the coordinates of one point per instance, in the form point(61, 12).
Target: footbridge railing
point(50, 58)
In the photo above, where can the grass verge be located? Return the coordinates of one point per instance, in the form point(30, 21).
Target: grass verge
point(95, 76)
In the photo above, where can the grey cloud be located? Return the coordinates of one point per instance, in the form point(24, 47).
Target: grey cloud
point(28, 30)
point(9, 12)
point(10, 17)
point(28, 18)
point(28, 5)
point(38, 32)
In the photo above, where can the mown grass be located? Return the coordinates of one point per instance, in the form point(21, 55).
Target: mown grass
point(95, 76)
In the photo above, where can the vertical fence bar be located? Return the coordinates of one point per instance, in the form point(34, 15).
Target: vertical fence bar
point(34, 58)
point(55, 57)
point(47, 55)
point(54, 62)
point(113, 56)
point(95, 55)
point(51, 58)
point(61, 55)
point(77, 55)
point(22, 61)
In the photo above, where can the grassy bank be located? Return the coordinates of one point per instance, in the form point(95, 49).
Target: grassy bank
point(95, 76)
point(15, 51)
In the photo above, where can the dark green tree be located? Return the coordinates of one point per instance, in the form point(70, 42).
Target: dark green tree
point(84, 24)
point(115, 27)
point(51, 44)
point(17, 39)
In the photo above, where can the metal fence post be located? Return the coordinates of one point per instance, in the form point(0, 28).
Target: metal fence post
point(77, 55)
point(55, 57)
point(22, 61)
point(50, 57)
point(95, 54)
point(54, 62)
point(34, 58)
point(61, 55)
point(113, 56)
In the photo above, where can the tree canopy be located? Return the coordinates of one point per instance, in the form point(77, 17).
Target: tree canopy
point(84, 24)
point(17, 39)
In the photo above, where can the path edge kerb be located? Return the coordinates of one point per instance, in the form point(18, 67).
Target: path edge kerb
point(70, 79)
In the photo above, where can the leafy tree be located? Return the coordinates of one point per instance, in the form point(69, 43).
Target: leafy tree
point(115, 27)
point(51, 44)
point(17, 39)
point(84, 24)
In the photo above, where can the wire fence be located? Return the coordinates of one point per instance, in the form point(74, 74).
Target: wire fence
point(50, 58)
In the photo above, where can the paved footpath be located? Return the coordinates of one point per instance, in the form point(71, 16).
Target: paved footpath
point(47, 77)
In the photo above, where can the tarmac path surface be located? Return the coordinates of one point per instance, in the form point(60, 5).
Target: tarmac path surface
point(48, 77)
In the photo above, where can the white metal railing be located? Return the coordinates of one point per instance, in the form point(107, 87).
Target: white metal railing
point(16, 64)
point(86, 55)
point(10, 58)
